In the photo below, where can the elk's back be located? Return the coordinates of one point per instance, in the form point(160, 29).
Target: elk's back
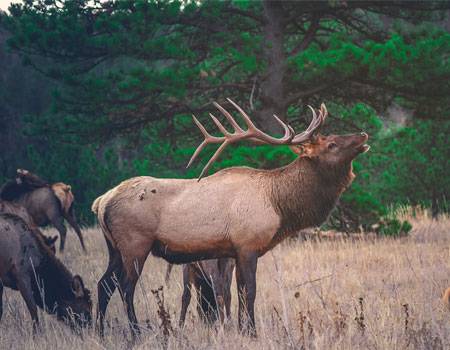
point(218, 213)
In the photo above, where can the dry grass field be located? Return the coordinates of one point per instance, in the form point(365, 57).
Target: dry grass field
point(341, 294)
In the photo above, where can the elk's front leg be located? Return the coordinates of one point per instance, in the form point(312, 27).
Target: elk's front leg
point(246, 263)
point(186, 297)
point(24, 286)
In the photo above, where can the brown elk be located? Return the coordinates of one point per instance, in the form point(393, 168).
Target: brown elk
point(212, 281)
point(236, 213)
point(29, 266)
point(14, 209)
point(46, 204)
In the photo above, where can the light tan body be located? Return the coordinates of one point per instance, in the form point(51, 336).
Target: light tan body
point(210, 218)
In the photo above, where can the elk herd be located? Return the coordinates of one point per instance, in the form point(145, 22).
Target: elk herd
point(213, 225)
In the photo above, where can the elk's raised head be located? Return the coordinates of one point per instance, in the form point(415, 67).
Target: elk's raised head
point(330, 151)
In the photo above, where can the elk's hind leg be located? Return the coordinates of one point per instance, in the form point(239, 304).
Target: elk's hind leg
point(168, 272)
point(71, 219)
point(133, 263)
point(107, 285)
point(58, 221)
point(1, 300)
point(186, 297)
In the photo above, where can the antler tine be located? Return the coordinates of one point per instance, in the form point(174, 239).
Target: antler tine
point(260, 135)
point(230, 118)
point(324, 110)
point(288, 130)
point(219, 125)
point(208, 139)
point(196, 153)
point(244, 115)
point(252, 133)
point(213, 159)
point(201, 127)
point(316, 122)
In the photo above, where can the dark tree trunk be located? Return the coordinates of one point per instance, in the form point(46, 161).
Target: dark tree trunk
point(434, 205)
point(272, 91)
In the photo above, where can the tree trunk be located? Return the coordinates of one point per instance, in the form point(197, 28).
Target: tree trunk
point(434, 205)
point(272, 92)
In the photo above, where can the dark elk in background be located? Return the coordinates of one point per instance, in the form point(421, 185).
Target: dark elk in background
point(21, 212)
point(46, 204)
point(236, 213)
point(212, 281)
point(25, 259)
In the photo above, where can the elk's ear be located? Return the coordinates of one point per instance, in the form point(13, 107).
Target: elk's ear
point(304, 150)
point(78, 287)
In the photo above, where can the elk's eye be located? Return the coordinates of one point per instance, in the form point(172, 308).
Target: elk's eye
point(332, 145)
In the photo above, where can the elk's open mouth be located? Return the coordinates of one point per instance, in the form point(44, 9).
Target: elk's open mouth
point(363, 148)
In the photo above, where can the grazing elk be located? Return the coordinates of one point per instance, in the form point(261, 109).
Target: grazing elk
point(46, 204)
point(29, 266)
point(14, 209)
point(212, 281)
point(236, 213)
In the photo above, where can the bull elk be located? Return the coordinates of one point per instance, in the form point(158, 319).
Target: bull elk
point(236, 213)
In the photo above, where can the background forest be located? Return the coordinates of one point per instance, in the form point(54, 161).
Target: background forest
point(93, 92)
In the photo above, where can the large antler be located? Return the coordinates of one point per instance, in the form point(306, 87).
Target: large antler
point(252, 133)
point(315, 124)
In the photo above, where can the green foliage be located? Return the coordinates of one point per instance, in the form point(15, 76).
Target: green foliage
point(129, 74)
point(394, 227)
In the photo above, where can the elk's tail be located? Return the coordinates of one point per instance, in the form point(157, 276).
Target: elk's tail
point(96, 204)
point(99, 209)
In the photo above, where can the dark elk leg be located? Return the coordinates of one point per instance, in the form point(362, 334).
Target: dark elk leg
point(226, 267)
point(24, 286)
point(130, 274)
point(168, 272)
point(71, 219)
point(1, 300)
point(246, 282)
point(58, 221)
point(127, 286)
point(227, 291)
point(186, 297)
point(107, 285)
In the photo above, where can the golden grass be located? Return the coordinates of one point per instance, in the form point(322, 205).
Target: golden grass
point(343, 294)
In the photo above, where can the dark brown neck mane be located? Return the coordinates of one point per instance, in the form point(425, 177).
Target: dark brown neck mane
point(304, 192)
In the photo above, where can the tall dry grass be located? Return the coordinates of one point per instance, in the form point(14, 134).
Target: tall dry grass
point(360, 294)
